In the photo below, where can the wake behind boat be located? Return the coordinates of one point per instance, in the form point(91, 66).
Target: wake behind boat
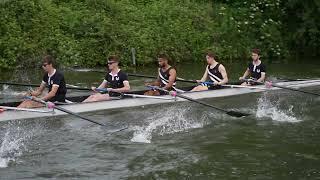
point(129, 101)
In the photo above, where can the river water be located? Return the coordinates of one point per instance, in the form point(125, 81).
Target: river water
point(176, 141)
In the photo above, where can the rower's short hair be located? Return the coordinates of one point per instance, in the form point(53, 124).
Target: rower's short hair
point(163, 56)
point(256, 51)
point(48, 59)
point(212, 55)
point(114, 58)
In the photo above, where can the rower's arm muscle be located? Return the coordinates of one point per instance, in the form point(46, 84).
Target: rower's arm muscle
point(223, 72)
point(103, 84)
point(52, 93)
point(262, 78)
point(125, 88)
point(172, 79)
point(247, 73)
point(205, 75)
point(39, 89)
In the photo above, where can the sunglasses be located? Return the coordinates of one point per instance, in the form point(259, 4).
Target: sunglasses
point(110, 62)
point(44, 65)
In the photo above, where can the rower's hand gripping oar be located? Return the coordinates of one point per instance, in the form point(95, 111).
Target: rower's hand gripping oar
point(269, 84)
point(52, 106)
point(231, 113)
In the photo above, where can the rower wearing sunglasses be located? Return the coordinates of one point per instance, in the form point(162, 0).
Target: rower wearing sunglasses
point(54, 80)
point(116, 82)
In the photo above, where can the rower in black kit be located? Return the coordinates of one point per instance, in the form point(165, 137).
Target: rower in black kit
point(256, 70)
point(116, 81)
point(56, 79)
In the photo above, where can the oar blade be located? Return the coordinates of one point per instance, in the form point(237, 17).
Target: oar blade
point(237, 114)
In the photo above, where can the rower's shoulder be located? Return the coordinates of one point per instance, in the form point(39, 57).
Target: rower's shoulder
point(122, 73)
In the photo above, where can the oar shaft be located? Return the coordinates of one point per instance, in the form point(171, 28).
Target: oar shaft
point(19, 84)
point(297, 90)
point(24, 109)
point(37, 85)
point(77, 115)
point(200, 102)
point(66, 111)
point(240, 86)
point(284, 87)
point(146, 96)
point(231, 113)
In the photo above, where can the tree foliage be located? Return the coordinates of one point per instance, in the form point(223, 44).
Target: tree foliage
point(84, 32)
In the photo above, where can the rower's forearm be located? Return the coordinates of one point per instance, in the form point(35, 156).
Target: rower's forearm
point(167, 87)
point(224, 81)
point(48, 96)
point(246, 74)
point(120, 90)
point(36, 93)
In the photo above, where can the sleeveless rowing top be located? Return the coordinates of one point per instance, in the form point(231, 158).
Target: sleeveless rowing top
point(164, 77)
point(214, 74)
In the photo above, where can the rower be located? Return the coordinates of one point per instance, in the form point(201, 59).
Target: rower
point(256, 69)
point(216, 73)
point(166, 76)
point(116, 81)
point(55, 82)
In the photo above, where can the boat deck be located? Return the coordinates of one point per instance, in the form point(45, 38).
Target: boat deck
point(136, 102)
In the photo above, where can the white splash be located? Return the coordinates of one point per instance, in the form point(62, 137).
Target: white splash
point(267, 108)
point(14, 142)
point(169, 121)
point(6, 91)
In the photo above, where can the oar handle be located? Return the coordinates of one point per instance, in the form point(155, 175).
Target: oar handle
point(103, 90)
point(49, 104)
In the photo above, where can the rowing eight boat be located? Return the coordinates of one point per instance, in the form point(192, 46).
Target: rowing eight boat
point(129, 101)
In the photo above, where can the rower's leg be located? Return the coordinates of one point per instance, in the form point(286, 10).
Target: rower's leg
point(98, 97)
point(30, 104)
point(245, 84)
point(200, 88)
point(152, 93)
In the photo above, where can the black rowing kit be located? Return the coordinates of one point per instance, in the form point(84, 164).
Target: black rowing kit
point(255, 71)
point(164, 78)
point(57, 78)
point(214, 76)
point(115, 81)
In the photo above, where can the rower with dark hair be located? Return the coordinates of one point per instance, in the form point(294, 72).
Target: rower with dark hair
point(256, 69)
point(216, 73)
point(116, 80)
point(166, 76)
point(55, 82)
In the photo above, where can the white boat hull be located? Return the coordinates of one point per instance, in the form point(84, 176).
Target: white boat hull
point(136, 102)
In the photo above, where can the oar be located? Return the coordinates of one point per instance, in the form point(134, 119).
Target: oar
point(146, 96)
point(63, 110)
point(104, 90)
point(236, 86)
point(240, 86)
point(231, 113)
point(24, 109)
point(270, 84)
point(37, 85)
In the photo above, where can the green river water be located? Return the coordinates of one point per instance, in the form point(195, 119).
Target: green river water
point(172, 141)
